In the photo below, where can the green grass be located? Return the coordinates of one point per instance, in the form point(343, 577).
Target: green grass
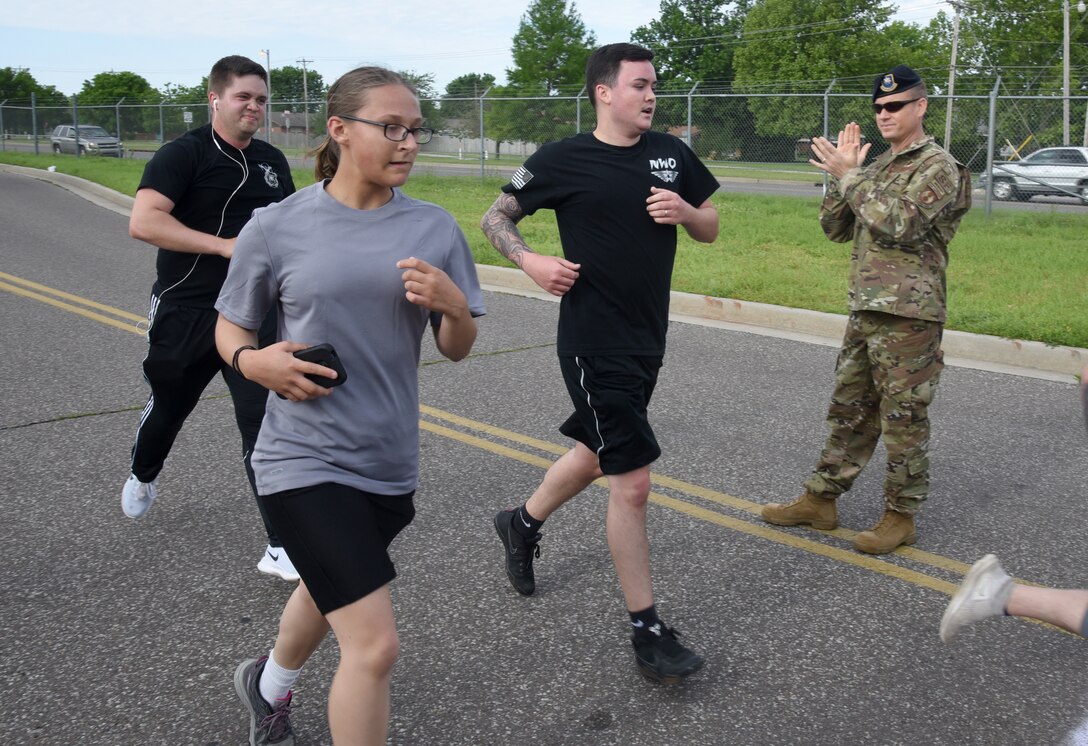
point(799, 172)
point(118, 174)
point(1021, 275)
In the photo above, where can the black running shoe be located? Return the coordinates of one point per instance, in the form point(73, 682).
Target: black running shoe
point(661, 657)
point(519, 553)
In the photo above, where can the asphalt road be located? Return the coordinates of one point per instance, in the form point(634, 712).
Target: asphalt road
point(115, 631)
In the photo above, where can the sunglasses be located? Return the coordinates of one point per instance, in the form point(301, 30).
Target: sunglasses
point(894, 106)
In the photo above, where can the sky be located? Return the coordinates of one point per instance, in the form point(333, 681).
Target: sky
point(177, 42)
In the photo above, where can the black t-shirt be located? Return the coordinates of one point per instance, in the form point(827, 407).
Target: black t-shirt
point(619, 305)
point(205, 183)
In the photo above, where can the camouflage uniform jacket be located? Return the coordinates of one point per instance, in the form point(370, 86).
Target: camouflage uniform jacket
point(901, 211)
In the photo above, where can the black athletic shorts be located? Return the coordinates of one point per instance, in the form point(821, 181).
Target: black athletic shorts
point(338, 537)
point(610, 396)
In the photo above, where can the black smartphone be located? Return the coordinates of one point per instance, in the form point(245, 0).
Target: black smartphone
point(324, 354)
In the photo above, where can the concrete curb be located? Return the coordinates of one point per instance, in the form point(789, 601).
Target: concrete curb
point(88, 190)
point(1018, 357)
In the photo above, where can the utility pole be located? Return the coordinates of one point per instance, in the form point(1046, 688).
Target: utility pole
point(1065, 67)
point(306, 99)
point(952, 75)
point(1065, 72)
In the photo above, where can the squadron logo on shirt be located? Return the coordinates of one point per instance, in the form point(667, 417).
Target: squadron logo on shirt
point(664, 169)
point(270, 176)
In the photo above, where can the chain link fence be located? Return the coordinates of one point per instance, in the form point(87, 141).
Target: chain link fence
point(765, 135)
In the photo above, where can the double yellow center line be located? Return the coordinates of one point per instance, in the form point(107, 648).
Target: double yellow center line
point(89, 309)
point(711, 506)
point(489, 435)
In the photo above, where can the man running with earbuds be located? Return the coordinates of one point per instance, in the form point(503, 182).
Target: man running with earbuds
point(196, 194)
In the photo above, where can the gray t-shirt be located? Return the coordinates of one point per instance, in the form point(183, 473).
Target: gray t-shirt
point(331, 272)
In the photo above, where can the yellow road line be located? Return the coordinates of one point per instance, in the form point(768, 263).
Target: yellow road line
point(66, 296)
point(487, 445)
point(864, 561)
point(721, 498)
point(127, 326)
point(42, 293)
point(753, 529)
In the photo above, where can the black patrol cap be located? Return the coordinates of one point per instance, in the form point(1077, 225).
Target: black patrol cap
point(900, 78)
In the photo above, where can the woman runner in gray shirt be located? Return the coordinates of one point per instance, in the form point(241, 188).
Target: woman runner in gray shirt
point(353, 262)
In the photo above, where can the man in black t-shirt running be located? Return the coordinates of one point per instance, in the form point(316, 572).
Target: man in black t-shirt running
point(195, 195)
point(618, 194)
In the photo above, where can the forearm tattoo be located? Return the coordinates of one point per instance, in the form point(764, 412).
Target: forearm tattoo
point(500, 227)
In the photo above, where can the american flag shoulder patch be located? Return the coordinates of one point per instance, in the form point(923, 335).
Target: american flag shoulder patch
point(521, 177)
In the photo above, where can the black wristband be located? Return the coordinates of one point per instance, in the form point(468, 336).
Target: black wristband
point(234, 362)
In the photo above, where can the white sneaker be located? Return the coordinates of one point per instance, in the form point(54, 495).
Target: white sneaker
point(137, 496)
point(276, 562)
point(984, 593)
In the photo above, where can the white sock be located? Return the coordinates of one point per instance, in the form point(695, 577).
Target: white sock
point(276, 681)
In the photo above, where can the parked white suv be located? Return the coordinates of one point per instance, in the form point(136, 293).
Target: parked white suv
point(1059, 172)
point(93, 140)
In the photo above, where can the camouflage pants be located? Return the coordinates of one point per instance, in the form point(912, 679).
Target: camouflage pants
point(885, 378)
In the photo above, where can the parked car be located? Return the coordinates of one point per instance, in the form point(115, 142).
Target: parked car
point(1059, 172)
point(93, 140)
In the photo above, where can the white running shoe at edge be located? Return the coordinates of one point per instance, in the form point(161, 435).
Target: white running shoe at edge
point(984, 593)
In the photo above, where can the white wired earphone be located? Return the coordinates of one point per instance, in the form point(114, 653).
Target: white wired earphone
point(242, 164)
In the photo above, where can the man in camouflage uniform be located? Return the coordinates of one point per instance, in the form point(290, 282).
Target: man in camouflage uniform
point(901, 211)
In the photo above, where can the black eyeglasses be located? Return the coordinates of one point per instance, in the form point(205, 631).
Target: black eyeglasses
point(894, 106)
point(397, 132)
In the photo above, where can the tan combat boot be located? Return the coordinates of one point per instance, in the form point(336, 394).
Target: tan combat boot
point(807, 510)
point(894, 530)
